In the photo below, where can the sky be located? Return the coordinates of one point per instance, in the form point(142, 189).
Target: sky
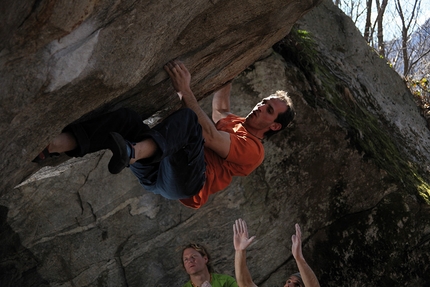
point(425, 14)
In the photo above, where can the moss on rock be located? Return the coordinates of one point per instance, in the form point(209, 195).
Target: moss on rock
point(366, 132)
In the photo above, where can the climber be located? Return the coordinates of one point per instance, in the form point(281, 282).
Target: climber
point(305, 276)
point(186, 156)
point(198, 265)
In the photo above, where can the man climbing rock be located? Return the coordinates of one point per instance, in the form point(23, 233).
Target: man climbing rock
point(187, 156)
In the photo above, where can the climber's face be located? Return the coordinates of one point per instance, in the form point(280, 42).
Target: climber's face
point(194, 262)
point(264, 114)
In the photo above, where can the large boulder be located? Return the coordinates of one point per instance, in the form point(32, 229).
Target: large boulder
point(349, 170)
point(61, 61)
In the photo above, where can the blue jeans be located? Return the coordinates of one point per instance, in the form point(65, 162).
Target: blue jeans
point(177, 169)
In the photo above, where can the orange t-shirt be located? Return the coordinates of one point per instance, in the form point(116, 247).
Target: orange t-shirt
point(246, 154)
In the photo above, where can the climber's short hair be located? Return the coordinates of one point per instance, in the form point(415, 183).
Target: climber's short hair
point(286, 117)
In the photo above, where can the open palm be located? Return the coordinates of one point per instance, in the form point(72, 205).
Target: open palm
point(240, 238)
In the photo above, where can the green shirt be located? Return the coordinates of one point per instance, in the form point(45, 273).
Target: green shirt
point(219, 280)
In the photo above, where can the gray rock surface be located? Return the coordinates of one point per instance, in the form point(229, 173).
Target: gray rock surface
point(61, 61)
point(77, 225)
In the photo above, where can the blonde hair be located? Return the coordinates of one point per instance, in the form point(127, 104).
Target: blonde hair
point(203, 252)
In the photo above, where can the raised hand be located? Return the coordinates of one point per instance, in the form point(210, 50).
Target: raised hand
point(240, 235)
point(296, 248)
point(308, 275)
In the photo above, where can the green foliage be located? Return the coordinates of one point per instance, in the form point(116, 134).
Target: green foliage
point(420, 88)
point(298, 47)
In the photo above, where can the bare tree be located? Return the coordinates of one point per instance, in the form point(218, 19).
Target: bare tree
point(408, 48)
point(408, 21)
point(368, 25)
point(379, 23)
point(402, 53)
point(419, 52)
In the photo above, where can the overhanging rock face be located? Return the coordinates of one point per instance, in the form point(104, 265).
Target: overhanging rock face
point(61, 61)
point(78, 225)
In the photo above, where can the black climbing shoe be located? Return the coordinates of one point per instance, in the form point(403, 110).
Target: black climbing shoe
point(45, 155)
point(119, 159)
